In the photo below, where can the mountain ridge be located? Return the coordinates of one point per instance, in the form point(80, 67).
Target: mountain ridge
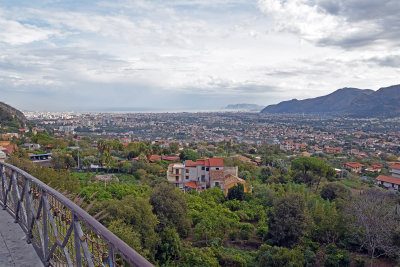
point(349, 101)
point(11, 117)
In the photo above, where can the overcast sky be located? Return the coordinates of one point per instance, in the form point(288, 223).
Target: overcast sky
point(192, 54)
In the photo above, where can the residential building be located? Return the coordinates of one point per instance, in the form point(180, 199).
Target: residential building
point(390, 181)
point(354, 167)
point(203, 174)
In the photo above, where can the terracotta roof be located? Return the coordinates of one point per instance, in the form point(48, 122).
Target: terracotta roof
point(214, 162)
point(189, 163)
point(170, 158)
point(191, 184)
point(354, 164)
point(154, 157)
point(388, 179)
point(201, 162)
point(229, 179)
point(395, 166)
point(376, 166)
point(217, 175)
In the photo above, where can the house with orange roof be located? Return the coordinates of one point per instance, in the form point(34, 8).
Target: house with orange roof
point(333, 150)
point(8, 149)
point(390, 181)
point(4, 143)
point(231, 181)
point(354, 167)
point(154, 158)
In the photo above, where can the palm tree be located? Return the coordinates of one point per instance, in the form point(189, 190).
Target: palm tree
point(101, 146)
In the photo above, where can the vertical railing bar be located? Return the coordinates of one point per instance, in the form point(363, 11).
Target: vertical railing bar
point(110, 255)
point(29, 211)
point(2, 174)
point(77, 242)
point(6, 193)
point(22, 201)
point(14, 194)
point(45, 229)
point(18, 198)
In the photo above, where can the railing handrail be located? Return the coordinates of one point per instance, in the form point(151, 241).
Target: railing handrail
point(128, 253)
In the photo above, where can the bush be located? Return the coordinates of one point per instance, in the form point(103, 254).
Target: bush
point(245, 230)
point(359, 262)
point(309, 257)
point(279, 256)
point(233, 235)
point(336, 257)
point(262, 232)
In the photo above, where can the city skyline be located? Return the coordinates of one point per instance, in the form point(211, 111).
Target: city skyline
point(192, 55)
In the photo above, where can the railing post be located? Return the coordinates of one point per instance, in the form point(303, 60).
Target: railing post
point(29, 212)
point(77, 242)
point(3, 185)
point(45, 229)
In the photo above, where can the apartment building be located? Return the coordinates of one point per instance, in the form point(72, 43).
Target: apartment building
point(203, 174)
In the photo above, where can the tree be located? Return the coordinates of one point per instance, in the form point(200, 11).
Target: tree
point(236, 192)
point(288, 220)
point(169, 204)
point(136, 213)
point(188, 154)
point(373, 219)
point(101, 145)
point(127, 233)
point(170, 249)
point(174, 146)
point(312, 170)
point(333, 191)
point(265, 173)
point(62, 161)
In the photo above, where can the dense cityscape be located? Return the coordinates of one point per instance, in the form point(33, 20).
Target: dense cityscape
point(230, 162)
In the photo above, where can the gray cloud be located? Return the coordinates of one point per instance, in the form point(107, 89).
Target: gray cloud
point(392, 61)
point(342, 23)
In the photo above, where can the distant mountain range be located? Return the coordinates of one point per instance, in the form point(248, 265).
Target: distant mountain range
point(349, 101)
point(250, 107)
point(11, 117)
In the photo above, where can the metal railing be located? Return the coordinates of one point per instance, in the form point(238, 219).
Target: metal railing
point(60, 231)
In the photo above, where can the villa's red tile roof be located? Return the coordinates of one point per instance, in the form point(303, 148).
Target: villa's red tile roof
point(388, 179)
point(395, 166)
point(354, 164)
point(191, 184)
